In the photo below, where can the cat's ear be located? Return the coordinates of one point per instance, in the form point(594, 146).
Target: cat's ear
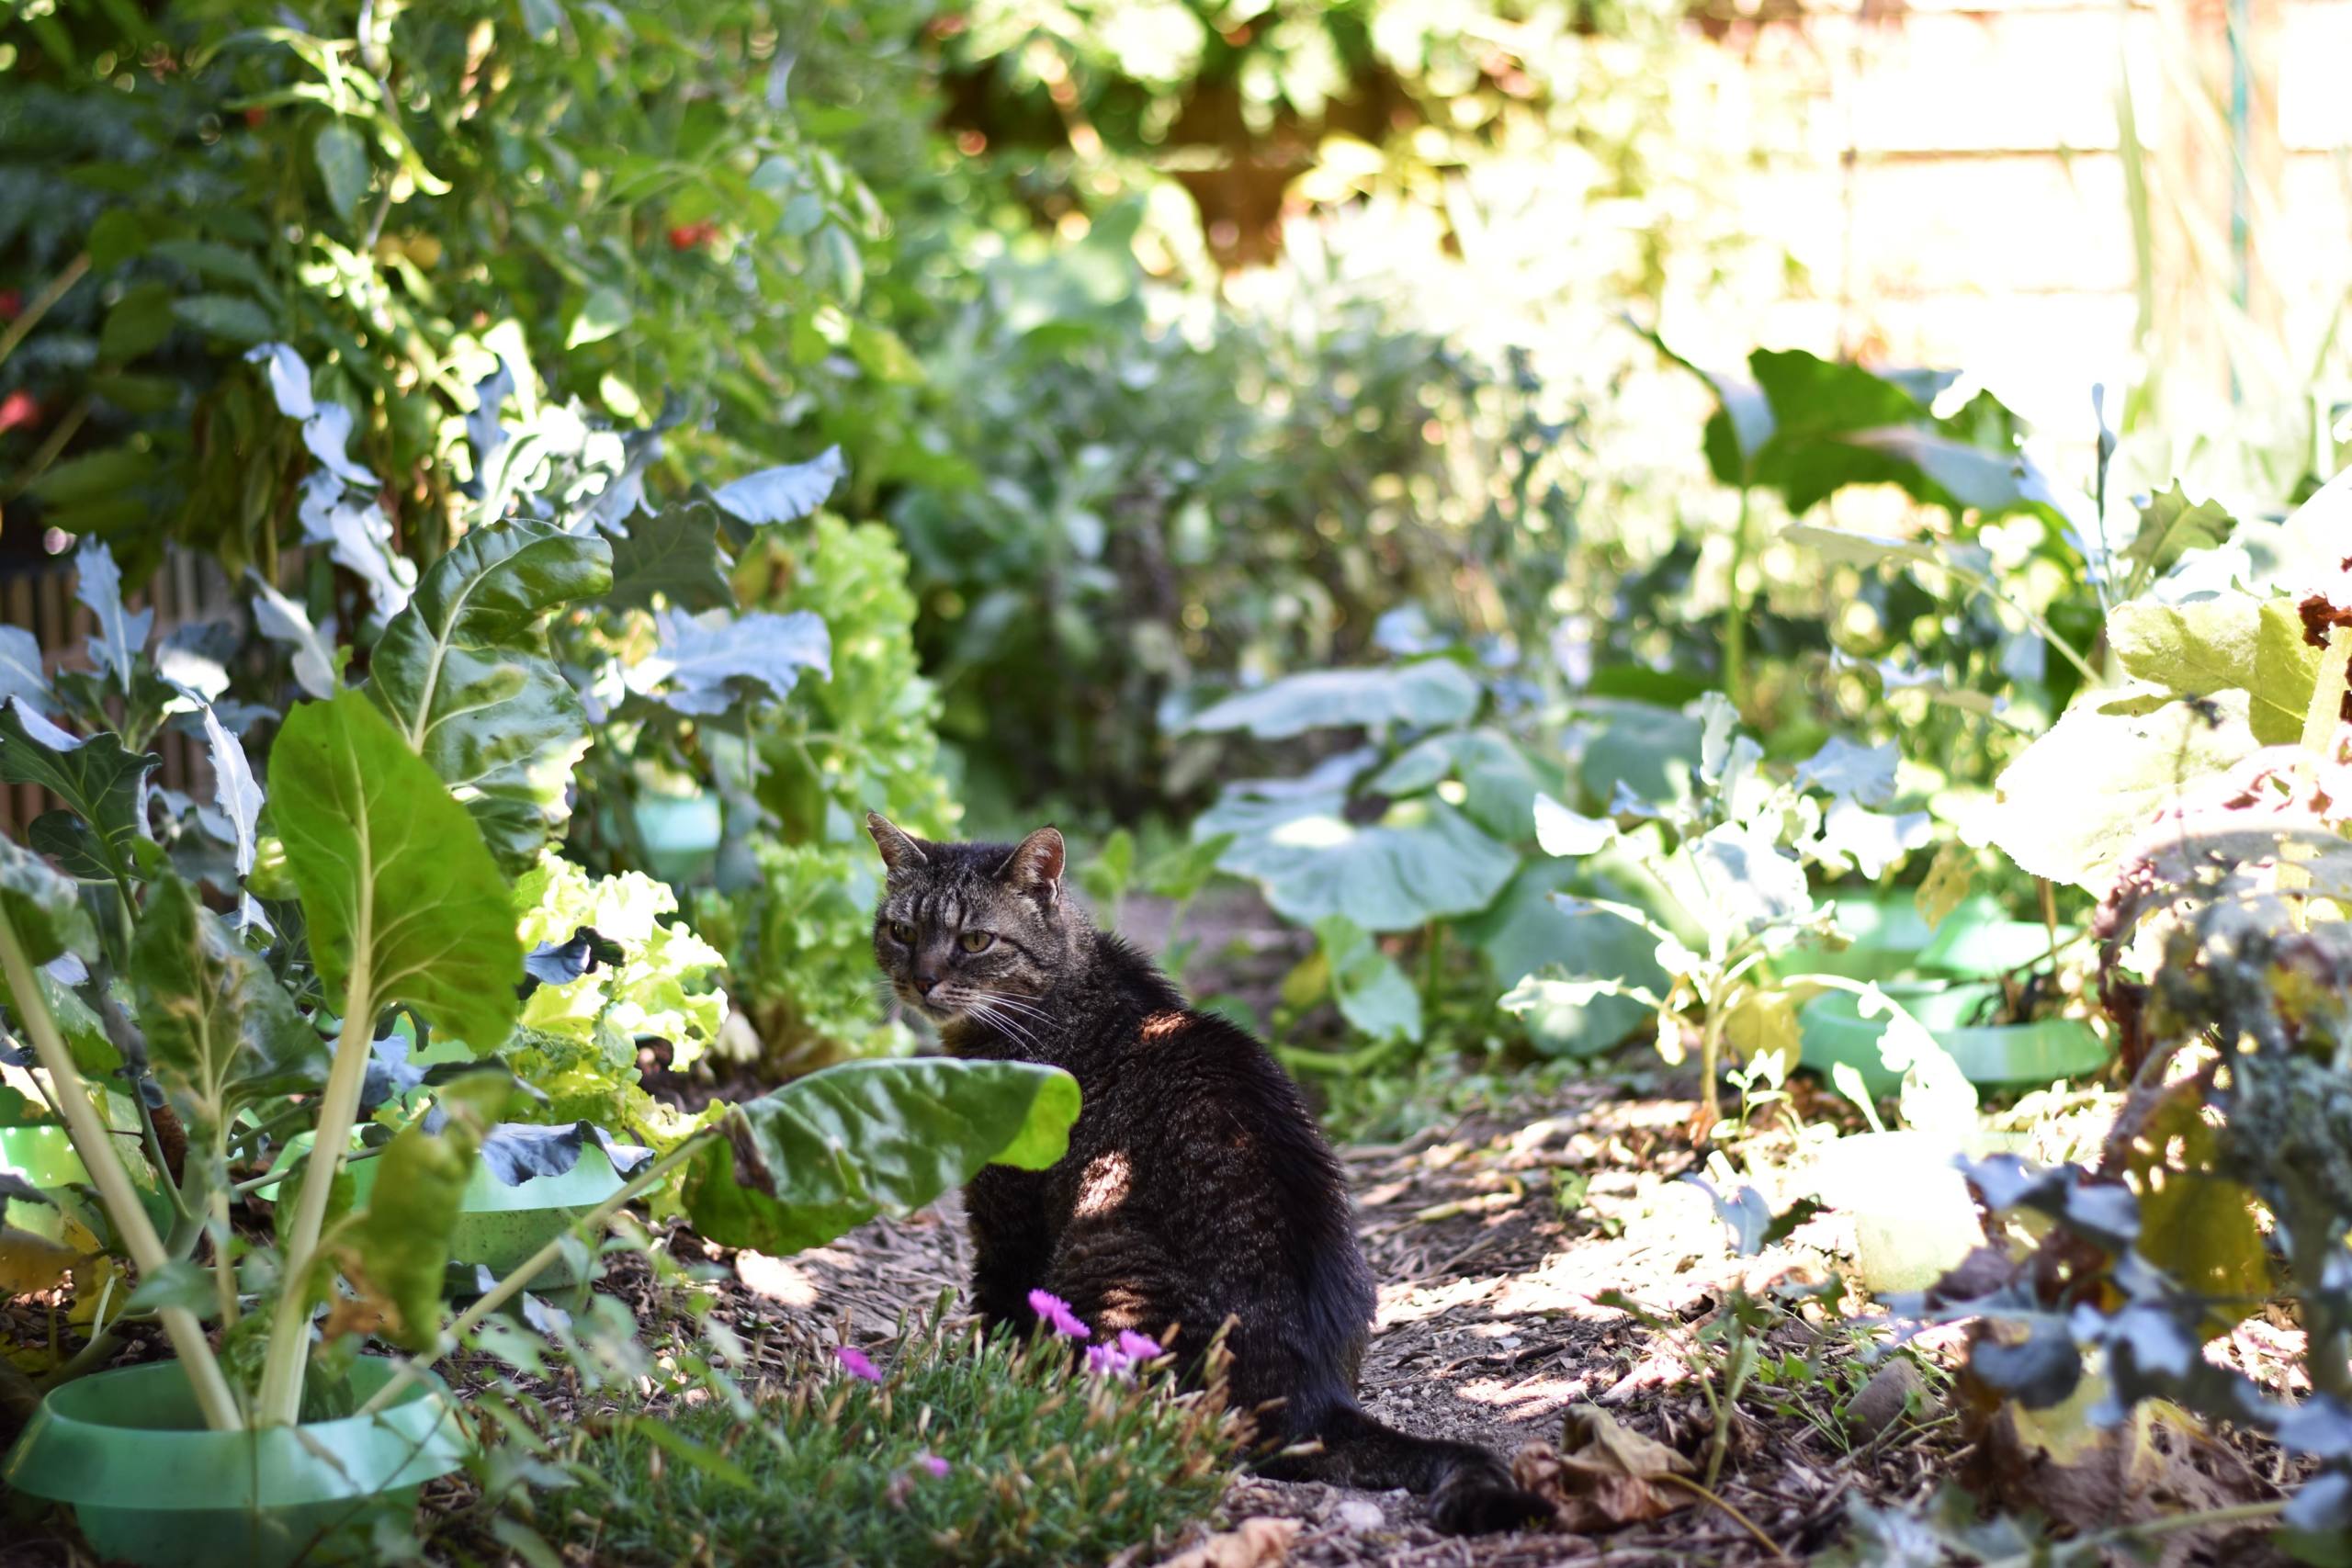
point(1035, 867)
point(899, 851)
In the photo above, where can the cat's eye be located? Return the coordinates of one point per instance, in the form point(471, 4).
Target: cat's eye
point(902, 933)
point(976, 941)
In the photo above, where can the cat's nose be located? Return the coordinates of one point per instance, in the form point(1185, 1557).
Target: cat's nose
point(924, 983)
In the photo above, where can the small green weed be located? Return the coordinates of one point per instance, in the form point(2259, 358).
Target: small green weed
point(965, 1451)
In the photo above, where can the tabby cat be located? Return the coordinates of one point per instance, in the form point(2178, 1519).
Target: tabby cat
point(1197, 1188)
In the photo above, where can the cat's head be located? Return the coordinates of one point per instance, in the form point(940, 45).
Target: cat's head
point(978, 929)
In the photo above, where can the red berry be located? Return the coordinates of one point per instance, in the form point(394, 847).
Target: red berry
point(254, 115)
point(690, 236)
point(19, 407)
point(12, 304)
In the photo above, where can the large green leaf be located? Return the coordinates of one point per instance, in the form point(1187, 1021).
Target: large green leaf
point(1373, 993)
point(41, 907)
point(673, 553)
point(802, 1164)
point(466, 673)
point(221, 1032)
point(2197, 649)
point(396, 1252)
point(2286, 668)
point(1422, 860)
point(1528, 931)
point(1500, 782)
point(392, 871)
point(1644, 751)
point(2052, 826)
point(1435, 690)
point(98, 779)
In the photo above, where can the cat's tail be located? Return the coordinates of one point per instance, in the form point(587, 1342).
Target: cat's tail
point(1469, 1490)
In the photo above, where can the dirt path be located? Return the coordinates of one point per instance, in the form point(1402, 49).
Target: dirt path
point(1489, 1327)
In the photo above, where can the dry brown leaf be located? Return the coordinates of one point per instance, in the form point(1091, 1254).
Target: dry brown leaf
point(1256, 1543)
point(2160, 1464)
point(1610, 1475)
point(29, 1263)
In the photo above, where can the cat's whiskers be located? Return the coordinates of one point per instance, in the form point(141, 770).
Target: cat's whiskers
point(1018, 1004)
point(983, 1006)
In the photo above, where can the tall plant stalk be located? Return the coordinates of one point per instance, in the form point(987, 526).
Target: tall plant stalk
point(288, 1355)
point(95, 1146)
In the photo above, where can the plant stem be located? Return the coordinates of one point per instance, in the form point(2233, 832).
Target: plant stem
point(1735, 610)
point(112, 1177)
point(2243, 1513)
point(38, 305)
point(519, 1279)
point(289, 1335)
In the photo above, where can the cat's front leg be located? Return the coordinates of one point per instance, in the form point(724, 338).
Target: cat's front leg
point(1012, 1246)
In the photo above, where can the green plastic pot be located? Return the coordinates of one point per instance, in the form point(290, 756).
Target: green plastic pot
point(148, 1484)
point(1892, 943)
point(44, 1154)
point(499, 1227)
point(1832, 1030)
point(681, 834)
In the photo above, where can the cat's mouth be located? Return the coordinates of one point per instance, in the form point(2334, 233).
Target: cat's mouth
point(1016, 1017)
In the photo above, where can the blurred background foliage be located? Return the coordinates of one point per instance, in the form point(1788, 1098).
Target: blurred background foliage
point(1172, 346)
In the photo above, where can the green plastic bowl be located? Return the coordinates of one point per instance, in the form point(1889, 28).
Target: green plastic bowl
point(681, 834)
point(499, 1227)
point(128, 1451)
point(1832, 1030)
point(44, 1154)
point(1892, 943)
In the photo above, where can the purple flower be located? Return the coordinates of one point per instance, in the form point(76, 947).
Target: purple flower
point(856, 1363)
point(1057, 1314)
point(933, 1463)
point(1137, 1348)
point(1108, 1360)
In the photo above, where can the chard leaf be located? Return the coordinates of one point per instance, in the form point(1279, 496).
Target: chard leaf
point(466, 673)
point(802, 1164)
point(396, 1253)
point(44, 909)
point(221, 1032)
point(393, 873)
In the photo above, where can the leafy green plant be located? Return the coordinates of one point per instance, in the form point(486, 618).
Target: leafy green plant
point(405, 201)
point(366, 881)
point(1729, 862)
point(2193, 802)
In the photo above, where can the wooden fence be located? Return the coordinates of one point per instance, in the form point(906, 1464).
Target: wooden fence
point(189, 590)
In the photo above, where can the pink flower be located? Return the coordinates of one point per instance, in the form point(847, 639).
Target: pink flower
point(856, 1363)
point(1056, 1315)
point(1138, 1348)
point(933, 1463)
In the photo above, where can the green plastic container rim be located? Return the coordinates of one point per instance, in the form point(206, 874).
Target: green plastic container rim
point(131, 1440)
